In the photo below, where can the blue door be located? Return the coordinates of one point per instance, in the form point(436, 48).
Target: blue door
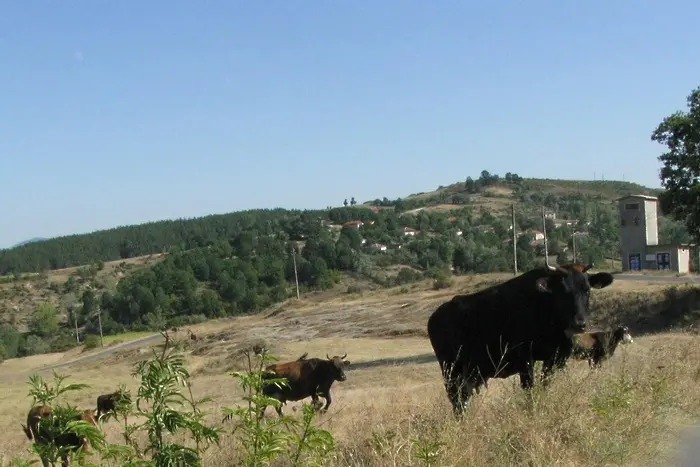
point(635, 262)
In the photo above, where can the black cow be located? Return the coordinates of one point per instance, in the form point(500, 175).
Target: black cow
point(41, 435)
point(305, 378)
point(107, 403)
point(502, 330)
point(600, 345)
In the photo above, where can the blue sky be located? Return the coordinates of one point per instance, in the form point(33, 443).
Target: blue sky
point(115, 113)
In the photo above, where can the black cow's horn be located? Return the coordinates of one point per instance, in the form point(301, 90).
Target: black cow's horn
point(587, 267)
point(329, 358)
point(343, 357)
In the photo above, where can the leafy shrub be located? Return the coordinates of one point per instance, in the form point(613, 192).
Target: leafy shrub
point(91, 341)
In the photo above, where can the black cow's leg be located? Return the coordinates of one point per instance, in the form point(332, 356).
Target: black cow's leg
point(527, 380)
point(327, 395)
point(314, 401)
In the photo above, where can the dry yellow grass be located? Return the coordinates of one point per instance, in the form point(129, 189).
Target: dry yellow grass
point(624, 414)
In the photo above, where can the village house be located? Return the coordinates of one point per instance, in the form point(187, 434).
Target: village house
point(409, 231)
point(569, 222)
point(380, 247)
point(353, 224)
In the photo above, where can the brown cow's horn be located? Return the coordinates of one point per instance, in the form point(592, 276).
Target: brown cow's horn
point(343, 357)
point(587, 267)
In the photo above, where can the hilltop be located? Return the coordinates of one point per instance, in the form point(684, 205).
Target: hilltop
point(496, 194)
point(31, 240)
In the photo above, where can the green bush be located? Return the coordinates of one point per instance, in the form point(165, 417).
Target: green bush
point(91, 341)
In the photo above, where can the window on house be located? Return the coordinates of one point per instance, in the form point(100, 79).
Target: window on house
point(636, 220)
point(622, 222)
point(632, 207)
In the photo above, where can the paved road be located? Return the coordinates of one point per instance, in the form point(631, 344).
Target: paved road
point(688, 454)
point(636, 277)
point(94, 356)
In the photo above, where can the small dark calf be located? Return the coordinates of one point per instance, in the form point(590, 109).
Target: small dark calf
point(42, 413)
point(107, 404)
point(600, 345)
point(192, 335)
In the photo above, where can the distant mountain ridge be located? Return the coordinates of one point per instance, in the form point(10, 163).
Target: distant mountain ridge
point(31, 240)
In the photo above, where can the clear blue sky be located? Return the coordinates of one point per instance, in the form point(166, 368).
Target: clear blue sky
point(120, 112)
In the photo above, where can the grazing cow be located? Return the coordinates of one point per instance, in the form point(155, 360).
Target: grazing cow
point(107, 404)
point(305, 378)
point(41, 413)
point(502, 330)
point(192, 335)
point(600, 345)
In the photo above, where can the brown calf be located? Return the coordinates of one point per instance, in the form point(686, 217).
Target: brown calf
point(42, 413)
point(598, 346)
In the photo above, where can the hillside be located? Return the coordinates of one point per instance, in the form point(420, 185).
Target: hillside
point(585, 417)
point(497, 194)
point(487, 194)
point(244, 262)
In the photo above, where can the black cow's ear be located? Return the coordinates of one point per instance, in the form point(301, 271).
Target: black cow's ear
point(542, 285)
point(601, 280)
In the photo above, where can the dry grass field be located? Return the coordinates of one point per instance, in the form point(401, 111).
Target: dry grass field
point(393, 401)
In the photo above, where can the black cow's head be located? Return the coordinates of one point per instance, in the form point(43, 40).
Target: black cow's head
point(337, 368)
point(571, 287)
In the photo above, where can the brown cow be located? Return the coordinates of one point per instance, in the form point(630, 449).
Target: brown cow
point(192, 335)
point(71, 440)
point(305, 378)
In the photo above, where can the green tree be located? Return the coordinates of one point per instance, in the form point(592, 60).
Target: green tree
point(680, 174)
point(44, 322)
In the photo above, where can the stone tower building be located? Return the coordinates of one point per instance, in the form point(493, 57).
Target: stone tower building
point(639, 238)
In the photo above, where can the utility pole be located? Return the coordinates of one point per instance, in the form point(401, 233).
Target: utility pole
point(544, 231)
point(515, 247)
point(99, 320)
point(573, 244)
point(296, 277)
point(71, 314)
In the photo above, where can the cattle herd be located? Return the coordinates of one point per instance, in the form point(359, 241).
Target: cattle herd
point(497, 332)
